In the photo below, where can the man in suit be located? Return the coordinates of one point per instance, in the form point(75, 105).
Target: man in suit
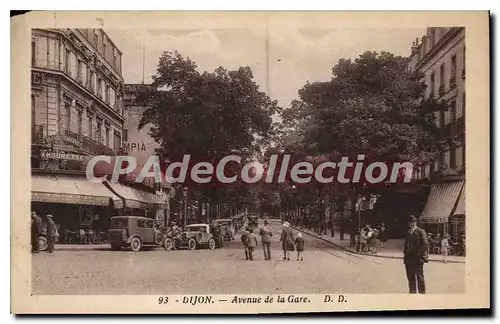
point(51, 233)
point(415, 255)
point(36, 230)
point(265, 238)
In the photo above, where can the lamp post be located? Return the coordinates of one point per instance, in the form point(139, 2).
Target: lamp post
point(185, 194)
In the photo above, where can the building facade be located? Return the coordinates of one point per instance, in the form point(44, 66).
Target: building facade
point(77, 113)
point(440, 55)
point(138, 144)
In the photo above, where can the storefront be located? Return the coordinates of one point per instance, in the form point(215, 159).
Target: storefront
point(137, 202)
point(81, 209)
point(444, 208)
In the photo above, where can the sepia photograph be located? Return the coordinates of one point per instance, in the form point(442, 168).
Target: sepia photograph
point(256, 161)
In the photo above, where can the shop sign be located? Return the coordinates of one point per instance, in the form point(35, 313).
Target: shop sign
point(57, 139)
point(437, 220)
point(49, 155)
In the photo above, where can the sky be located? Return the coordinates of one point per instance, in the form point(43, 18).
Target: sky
point(295, 55)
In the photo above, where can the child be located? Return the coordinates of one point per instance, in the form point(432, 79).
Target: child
point(445, 246)
point(251, 243)
point(299, 242)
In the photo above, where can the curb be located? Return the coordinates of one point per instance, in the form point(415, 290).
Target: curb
point(349, 250)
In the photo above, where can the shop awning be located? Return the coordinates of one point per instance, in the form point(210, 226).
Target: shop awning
point(71, 190)
point(134, 198)
point(440, 203)
point(460, 210)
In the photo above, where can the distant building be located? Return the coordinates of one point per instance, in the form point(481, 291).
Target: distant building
point(440, 56)
point(136, 142)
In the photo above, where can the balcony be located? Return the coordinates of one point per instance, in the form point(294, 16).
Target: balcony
point(441, 89)
point(91, 146)
point(453, 82)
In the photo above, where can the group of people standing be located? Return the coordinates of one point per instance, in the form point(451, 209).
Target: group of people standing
point(288, 242)
point(37, 229)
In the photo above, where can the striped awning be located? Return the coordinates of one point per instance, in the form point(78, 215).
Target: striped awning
point(71, 190)
point(460, 210)
point(442, 198)
point(135, 198)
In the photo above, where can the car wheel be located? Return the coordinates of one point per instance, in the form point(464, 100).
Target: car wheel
point(192, 244)
point(211, 244)
point(135, 244)
point(168, 244)
point(115, 247)
point(159, 238)
point(42, 243)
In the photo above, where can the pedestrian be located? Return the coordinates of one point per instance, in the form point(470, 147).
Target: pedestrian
point(287, 241)
point(363, 239)
point(244, 239)
point(445, 247)
point(51, 233)
point(383, 235)
point(369, 239)
point(415, 255)
point(299, 242)
point(251, 243)
point(36, 230)
point(265, 237)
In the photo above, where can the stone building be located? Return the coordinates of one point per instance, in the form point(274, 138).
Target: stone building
point(440, 55)
point(77, 113)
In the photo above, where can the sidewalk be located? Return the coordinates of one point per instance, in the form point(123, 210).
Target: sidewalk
point(392, 249)
point(82, 247)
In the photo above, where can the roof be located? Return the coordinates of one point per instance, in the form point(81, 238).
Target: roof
point(193, 225)
point(138, 217)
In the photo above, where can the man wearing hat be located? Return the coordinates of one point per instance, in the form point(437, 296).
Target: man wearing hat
point(36, 230)
point(415, 255)
point(51, 233)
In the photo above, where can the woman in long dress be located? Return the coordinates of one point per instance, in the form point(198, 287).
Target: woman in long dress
point(287, 241)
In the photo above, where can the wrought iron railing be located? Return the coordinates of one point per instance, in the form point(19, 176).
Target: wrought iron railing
point(91, 146)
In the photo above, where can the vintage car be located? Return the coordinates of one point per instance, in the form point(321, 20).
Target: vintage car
point(135, 232)
point(194, 237)
point(227, 228)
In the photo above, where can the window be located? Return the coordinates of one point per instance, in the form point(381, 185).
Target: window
point(33, 50)
point(463, 59)
point(453, 66)
point(115, 58)
point(441, 75)
point(98, 130)
point(99, 88)
point(107, 93)
point(445, 159)
point(117, 142)
point(92, 82)
point(108, 139)
point(79, 76)
point(459, 156)
point(67, 59)
point(433, 77)
point(462, 111)
point(67, 110)
point(453, 110)
point(434, 36)
point(79, 108)
point(33, 115)
point(90, 117)
point(125, 135)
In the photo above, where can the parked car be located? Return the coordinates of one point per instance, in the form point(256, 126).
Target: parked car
point(134, 232)
point(194, 237)
point(227, 228)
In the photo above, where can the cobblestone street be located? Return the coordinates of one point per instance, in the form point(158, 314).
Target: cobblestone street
point(325, 269)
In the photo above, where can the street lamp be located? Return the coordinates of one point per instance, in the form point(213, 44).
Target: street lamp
point(185, 194)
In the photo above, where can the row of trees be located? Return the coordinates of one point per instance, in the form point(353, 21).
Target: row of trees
point(373, 105)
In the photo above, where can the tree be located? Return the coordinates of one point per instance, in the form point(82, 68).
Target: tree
point(207, 115)
point(373, 106)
